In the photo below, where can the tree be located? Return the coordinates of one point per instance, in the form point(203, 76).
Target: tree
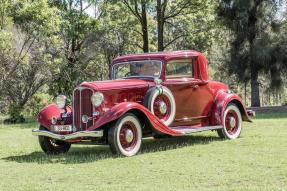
point(76, 28)
point(139, 10)
point(5, 46)
point(175, 24)
point(117, 33)
point(24, 61)
point(252, 47)
point(166, 10)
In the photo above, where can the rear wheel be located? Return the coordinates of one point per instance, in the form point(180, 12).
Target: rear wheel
point(53, 146)
point(125, 137)
point(232, 123)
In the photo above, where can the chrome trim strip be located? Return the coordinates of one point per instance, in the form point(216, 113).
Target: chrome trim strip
point(188, 119)
point(199, 129)
point(79, 134)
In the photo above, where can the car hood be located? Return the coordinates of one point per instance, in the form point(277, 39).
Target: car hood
point(115, 84)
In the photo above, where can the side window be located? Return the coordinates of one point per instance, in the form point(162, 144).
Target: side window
point(179, 68)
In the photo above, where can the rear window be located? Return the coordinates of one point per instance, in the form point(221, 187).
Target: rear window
point(180, 68)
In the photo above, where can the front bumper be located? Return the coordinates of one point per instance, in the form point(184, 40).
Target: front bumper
point(75, 135)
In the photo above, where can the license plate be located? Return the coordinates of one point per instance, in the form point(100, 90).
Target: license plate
point(61, 128)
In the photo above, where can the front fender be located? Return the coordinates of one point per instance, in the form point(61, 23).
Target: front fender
point(120, 109)
point(53, 111)
point(221, 101)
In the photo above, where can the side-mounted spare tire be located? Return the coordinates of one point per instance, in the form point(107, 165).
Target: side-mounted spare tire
point(160, 101)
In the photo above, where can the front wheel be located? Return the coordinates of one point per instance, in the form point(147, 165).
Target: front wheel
point(52, 146)
point(232, 123)
point(125, 137)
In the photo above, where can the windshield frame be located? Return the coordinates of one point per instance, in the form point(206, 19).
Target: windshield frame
point(124, 62)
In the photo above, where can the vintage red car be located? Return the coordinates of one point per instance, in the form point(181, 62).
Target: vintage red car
point(153, 94)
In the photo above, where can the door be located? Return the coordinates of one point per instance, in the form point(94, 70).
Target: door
point(191, 95)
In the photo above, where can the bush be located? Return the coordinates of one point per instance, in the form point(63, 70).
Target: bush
point(15, 113)
point(37, 102)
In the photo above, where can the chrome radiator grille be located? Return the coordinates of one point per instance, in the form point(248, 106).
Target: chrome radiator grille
point(82, 106)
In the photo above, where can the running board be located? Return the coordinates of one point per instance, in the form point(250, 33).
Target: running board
point(187, 131)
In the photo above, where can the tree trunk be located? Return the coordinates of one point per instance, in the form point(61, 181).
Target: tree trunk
point(255, 97)
point(144, 27)
point(160, 26)
point(245, 92)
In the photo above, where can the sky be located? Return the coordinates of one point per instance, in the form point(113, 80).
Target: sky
point(282, 9)
point(90, 11)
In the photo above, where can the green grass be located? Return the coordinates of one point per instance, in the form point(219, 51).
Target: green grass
point(255, 161)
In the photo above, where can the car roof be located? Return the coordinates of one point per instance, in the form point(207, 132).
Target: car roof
point(168, 55)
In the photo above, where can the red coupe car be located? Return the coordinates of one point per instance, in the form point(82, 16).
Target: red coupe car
point(153, 94)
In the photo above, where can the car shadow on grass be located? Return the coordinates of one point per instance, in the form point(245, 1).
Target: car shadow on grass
point(94, 153)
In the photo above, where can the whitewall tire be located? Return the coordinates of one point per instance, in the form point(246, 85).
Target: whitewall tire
point(125, 137)
point(160, 101)
point(232, 123)
point(51, 146)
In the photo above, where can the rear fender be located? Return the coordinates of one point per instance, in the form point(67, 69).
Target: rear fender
point(221, 101)
point(53, 111)
point(120, 109)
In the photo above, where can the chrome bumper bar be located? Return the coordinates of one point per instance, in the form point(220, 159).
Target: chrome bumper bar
point(68, 136)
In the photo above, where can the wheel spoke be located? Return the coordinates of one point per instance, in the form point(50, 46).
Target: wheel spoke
point(231, 122)
point(128, 128)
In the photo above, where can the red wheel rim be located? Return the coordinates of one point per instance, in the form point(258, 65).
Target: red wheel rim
point(231, 122)
point(126, 130)
point(156, 107)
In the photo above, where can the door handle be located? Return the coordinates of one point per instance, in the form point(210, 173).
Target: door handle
point(195, 86)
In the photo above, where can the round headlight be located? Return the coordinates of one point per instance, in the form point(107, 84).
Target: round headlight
point(61, 101)
point(85, 119)
point(97, 99)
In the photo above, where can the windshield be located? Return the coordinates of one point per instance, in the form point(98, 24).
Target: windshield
point(143, 68)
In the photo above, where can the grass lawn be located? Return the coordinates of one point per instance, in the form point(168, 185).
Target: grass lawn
point(255, 161)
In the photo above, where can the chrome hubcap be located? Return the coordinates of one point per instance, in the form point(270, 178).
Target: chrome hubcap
point(162, 107)
point(232, 122)
point(129, 135)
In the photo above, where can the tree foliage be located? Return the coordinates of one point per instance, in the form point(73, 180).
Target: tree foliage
point(47, 47)
point(139, 10)
point(23, 53)
point(76, 28)
point(255, 47)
